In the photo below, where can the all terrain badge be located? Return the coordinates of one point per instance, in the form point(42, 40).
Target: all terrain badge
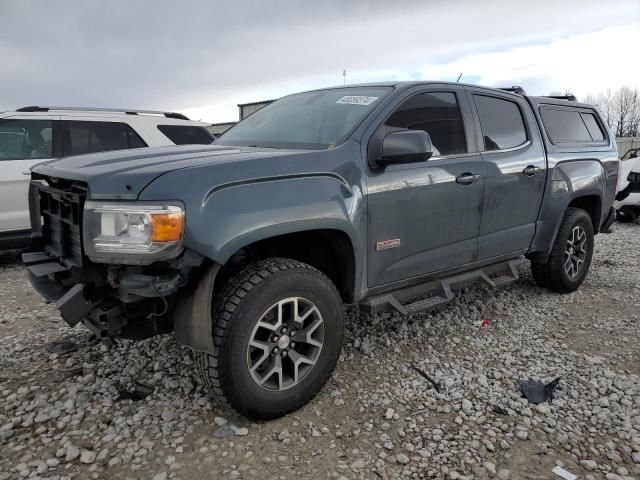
point(387, 244)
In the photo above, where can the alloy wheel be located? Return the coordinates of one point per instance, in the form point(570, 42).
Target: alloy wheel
point(575, 251)
point(285, 344)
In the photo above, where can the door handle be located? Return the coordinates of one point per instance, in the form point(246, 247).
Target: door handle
point(467, 178)
point(530, 170)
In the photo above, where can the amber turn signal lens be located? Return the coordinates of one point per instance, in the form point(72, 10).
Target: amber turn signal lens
point(167, 227)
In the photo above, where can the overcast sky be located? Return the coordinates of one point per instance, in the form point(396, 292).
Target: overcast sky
point(203, 57)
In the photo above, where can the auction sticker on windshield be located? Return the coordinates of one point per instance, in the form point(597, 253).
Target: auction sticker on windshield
point(357, 100)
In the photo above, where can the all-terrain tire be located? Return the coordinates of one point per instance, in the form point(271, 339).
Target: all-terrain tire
point(236, 312)
point(553, 275)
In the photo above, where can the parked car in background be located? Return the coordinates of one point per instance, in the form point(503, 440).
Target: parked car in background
point(31, 135)
point(627, 203)
point(383, 195)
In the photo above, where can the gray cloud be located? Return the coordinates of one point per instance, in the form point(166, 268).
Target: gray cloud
point(185, 54)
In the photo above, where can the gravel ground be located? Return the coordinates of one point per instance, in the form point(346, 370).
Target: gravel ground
point(60, 416)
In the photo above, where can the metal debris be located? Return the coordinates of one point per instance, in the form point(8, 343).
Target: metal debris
point(425, 375)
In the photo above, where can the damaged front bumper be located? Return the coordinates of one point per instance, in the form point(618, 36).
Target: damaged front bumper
point(112, 300)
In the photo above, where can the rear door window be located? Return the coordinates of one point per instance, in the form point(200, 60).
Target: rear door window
point(501, 122)
point(26, 139)
point(90, 137)
point(186, 134)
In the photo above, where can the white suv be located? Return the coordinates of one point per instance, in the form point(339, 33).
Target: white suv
point(32, 135)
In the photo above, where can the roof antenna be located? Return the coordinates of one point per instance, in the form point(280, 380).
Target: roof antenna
point(459, 77)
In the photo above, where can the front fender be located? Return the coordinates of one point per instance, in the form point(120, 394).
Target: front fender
point(233, 216)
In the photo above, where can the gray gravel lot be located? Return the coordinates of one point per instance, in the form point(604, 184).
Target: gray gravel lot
point(60, 416)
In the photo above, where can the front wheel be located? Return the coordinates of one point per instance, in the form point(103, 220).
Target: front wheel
point(278, 330)
point(570, 257)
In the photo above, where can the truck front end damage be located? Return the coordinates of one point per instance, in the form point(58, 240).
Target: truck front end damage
point(114, 266)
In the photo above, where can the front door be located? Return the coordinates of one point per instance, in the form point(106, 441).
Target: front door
point(515, 172)
point(24, 142)
point(424, 217)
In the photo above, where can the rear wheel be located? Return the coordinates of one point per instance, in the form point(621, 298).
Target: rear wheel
point(277, 334)
point(570, 257)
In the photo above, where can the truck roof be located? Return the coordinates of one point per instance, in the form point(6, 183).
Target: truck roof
point(515, 90)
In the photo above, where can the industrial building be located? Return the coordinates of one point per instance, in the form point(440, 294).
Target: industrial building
point(244, 110)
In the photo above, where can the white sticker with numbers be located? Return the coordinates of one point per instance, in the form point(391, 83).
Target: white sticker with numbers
point(357, 100)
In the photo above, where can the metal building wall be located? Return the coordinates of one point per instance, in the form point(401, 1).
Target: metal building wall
point(247, 109)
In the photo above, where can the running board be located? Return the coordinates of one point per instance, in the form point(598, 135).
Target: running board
point(441, 290)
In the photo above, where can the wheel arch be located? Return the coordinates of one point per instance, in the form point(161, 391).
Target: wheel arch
point(592, 204)
point(329, 250)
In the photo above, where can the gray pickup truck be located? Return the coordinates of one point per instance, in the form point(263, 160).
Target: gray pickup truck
point(384, 195)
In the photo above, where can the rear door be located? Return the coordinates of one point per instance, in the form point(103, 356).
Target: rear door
point(24, 142)
point(424, 217)
point(515, 172)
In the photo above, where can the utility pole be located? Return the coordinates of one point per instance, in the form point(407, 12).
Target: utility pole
point(344, 76)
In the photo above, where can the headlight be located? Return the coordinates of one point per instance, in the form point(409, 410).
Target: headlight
point(130, 233)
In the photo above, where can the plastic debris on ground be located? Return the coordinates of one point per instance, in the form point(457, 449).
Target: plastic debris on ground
point(62, 347)
point(485, 323)
point(138, 392)
point(499, 409)
point(561, 472)
point(537, 392)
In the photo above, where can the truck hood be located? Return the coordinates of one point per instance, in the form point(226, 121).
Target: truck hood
point(123, 174)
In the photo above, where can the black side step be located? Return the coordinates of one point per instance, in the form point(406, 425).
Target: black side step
point(440, 291)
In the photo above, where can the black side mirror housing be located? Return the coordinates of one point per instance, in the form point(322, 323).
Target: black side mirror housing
point(406, 146)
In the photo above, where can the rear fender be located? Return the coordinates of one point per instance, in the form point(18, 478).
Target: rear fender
point(569, 181)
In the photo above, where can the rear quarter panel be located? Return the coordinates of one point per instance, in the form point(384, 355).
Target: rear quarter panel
point(588, 170)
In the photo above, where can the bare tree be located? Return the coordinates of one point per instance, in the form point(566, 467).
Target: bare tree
point(621, 110)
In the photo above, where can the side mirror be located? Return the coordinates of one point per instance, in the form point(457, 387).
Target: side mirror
point(406, 146)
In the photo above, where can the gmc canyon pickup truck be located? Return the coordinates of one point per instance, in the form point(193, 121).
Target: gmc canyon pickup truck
point(383, 195)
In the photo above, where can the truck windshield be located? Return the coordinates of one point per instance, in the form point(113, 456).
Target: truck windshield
point(317, 119)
